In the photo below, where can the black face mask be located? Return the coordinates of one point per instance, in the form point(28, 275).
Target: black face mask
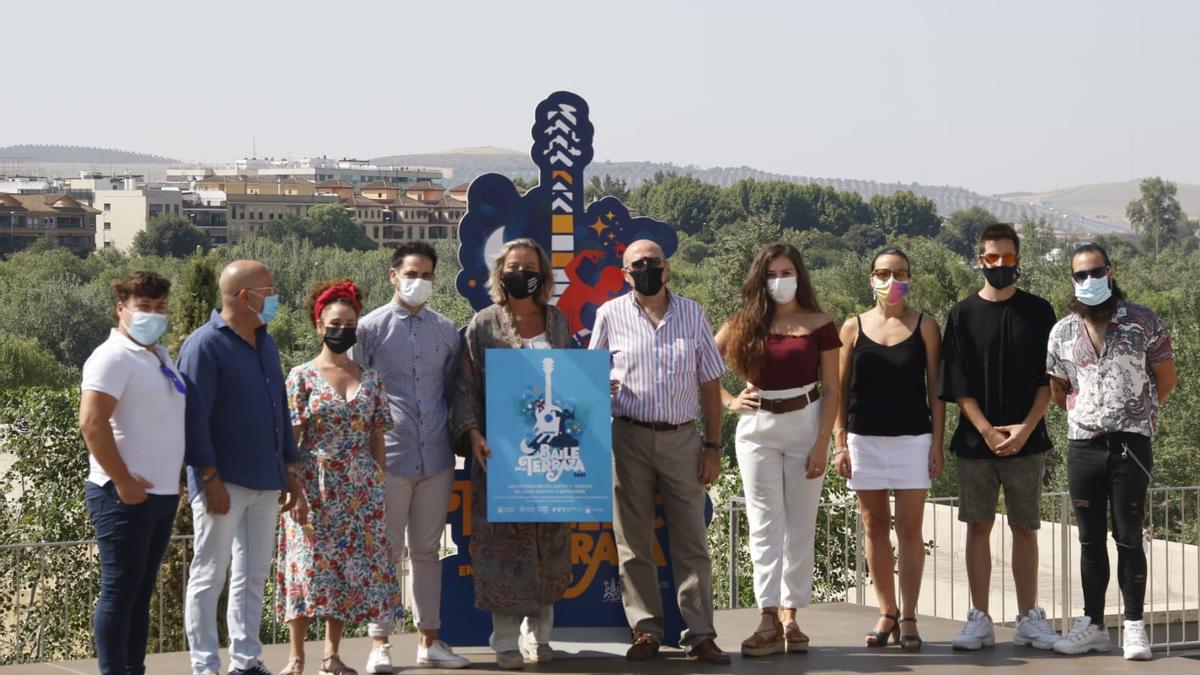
point(1000, 278)
point(647, 282)
point(521, 284)
point(340, 340)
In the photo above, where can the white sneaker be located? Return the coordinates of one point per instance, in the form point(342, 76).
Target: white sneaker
point(380, 660)
point(538, 653)
point(977, 634)
point(1084, 637)
point(1033, 630)
point(1136, 642)
point(439, 655)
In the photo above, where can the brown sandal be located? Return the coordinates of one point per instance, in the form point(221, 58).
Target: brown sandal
point(295, 666)
point(766, 641)
point(332, 665)
point(796, 640)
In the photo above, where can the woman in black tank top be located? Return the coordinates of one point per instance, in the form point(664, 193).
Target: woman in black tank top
point(889, 437)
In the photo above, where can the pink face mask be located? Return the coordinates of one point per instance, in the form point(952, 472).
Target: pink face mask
point(890, 292)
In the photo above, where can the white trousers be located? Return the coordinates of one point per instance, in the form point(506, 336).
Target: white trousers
point(781, 503)
point(507, 629)
point(416, 515)
point(240, 543)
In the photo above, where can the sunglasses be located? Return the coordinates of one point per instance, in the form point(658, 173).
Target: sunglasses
point(883, 274)
point(1095, 273)
point(646, 264)
point(1007, 259)
point(170, 375)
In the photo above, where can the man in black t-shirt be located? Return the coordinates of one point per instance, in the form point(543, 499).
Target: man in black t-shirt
point(994, 368)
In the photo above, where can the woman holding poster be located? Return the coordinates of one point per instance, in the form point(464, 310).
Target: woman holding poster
point(784, 346)
point(520, 569)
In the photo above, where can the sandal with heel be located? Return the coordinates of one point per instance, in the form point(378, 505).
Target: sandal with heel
point(910, 643)
point(766, 641)
point(295, 666)
point(879, 638)
point(332, 665)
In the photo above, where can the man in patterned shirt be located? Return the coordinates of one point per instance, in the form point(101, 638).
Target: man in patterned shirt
point(663, 356)
point(1111, 366)
point(416, 352)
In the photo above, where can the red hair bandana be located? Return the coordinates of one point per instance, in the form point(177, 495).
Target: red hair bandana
point(344, 291)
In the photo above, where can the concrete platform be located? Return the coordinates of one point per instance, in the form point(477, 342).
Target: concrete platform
point(835, 629)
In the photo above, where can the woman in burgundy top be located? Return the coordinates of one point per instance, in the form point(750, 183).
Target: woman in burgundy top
point(782, 345)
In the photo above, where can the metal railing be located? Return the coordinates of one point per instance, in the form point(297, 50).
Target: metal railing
point(1172, 603)
point(40, 618)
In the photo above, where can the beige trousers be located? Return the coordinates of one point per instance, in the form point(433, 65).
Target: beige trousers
point(667, 462)
point(416, 515)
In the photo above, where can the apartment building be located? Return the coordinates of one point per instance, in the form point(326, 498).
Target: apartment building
point(125, 212)
point(25, 218)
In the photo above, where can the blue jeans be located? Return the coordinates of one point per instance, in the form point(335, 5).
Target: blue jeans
point(132, 541)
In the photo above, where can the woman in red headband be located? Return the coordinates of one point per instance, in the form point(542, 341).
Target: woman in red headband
point(334, 562)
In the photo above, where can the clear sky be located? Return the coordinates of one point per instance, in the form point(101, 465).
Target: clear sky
point(993, 96)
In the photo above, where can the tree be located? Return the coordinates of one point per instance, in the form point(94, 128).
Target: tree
point(23, 363)
point(332, 225)
point(170, 236)
point(904, 213)
point(682, 201)
point(961, 233)
point(1157, 215)
point(864, 238)
point(193, 300)
point(289, 226)
point(609, 187)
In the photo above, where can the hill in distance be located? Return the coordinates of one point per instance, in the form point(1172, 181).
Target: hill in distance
point(77, 154)
point(469, 163)
point(1103, 201)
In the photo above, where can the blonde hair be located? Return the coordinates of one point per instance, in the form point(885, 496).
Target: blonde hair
point(495, 285)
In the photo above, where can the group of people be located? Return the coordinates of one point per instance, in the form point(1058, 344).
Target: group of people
point(360, 445)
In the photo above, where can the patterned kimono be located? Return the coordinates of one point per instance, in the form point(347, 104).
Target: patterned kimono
point(519, 567)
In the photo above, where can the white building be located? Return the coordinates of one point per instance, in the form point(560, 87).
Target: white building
point(124, 213)
point(318, 169)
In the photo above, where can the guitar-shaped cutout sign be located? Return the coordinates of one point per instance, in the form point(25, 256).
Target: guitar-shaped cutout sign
point(550, 420)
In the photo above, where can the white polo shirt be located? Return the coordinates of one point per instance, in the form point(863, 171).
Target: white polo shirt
point(148, 420)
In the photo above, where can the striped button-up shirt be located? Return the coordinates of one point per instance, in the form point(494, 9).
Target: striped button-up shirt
point(416, 356)
point(660, 368)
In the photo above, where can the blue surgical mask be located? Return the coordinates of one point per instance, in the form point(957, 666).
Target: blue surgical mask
point(1093, 291)
point(270, 308)
point(147, 327)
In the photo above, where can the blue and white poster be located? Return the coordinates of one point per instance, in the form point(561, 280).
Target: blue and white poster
point(549, 424)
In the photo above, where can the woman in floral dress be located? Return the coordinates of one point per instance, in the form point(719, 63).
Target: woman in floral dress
point(334, 562)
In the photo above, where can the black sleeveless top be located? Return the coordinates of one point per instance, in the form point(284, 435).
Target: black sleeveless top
point(887, 387)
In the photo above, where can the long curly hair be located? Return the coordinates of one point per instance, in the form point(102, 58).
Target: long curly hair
point(749, 326)
point(319, 288)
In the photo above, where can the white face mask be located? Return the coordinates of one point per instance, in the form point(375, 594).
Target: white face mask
point(415, 292)
point(782, 289)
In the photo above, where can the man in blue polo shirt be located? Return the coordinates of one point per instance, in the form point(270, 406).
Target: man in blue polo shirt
point(240, 453)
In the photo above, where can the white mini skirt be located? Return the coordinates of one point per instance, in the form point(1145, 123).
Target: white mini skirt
point(889, 462)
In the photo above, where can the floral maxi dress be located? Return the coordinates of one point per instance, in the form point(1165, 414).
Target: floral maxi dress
point(338, 565)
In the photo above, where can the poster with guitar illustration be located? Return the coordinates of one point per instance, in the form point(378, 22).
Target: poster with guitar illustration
point(550, 429)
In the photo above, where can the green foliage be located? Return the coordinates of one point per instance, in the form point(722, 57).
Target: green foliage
point(326, 225)
point(25, 364)
point(962, 231)
point(608, 187)
point(904, 213)
point(192, 299)
point(1157, 214)
point(684, 202)
point(170, 236)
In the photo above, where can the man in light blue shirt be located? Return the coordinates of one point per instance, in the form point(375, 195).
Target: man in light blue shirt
point(416, 352)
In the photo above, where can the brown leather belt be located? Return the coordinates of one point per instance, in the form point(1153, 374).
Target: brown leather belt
point(654, 426)
point(778, 406)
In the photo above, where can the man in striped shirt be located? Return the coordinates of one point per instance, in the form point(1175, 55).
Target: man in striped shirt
point(665, 368)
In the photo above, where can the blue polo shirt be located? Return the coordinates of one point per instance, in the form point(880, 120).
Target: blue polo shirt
point(237, 411)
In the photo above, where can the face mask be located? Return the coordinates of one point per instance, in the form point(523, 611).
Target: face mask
point(890, 292)
point(1093, 291)
point(648, 282)
point(782, 289)
point(340, 340)
point(521, 284)
point(146, 327)
point(269, 310)
point(415, 292)
point(1001, 278)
